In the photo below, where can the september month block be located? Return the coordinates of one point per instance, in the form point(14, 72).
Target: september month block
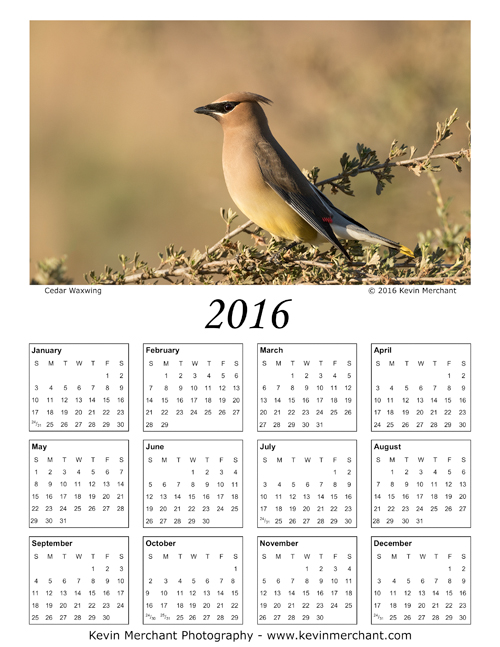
point(193, 580)
point(193, 387)
point(421, 387)
point(78, 387)
point(78, 580)
point(421, 483)
point(79, 483)
point(421, 580)
point(193, 484)
point(307, 580)
point(306, 483)
point(306, 387)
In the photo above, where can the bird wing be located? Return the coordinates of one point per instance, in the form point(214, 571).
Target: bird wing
point(289, 183)
point(330, 206)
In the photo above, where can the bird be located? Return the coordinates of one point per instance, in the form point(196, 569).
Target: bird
point(269, 188)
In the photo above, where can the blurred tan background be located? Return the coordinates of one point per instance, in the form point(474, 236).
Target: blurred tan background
point(121, 163)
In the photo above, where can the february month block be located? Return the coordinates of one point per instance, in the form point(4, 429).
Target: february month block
point(421, 483)
point(193, 387)
point(307, 580)
point(421, 387)
point(78, 387)
point(193, 484)
point(78, 580)
point(306, 387)
point(306, 483)
point(421, 580)
point(193, 580)
point(78, 483)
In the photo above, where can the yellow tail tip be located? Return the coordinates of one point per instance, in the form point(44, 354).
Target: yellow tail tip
point(406, 251)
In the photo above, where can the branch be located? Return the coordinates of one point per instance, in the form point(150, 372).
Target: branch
point(181, 272)
point(228, 235)
point(464, 152)
point(368, 162)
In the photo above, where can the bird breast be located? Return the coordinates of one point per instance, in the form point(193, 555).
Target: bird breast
point(259, 202)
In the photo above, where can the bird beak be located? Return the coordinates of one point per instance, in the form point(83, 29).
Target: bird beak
point(203, 110)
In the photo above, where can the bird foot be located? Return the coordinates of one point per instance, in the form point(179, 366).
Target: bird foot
point(277, 256)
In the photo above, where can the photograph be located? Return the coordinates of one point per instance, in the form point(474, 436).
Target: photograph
point(341, 153)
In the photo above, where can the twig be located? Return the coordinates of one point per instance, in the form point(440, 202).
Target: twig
point(456, 155)
point(228, 236)
point(182, 271)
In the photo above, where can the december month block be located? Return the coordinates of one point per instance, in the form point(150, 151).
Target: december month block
point(421, 580)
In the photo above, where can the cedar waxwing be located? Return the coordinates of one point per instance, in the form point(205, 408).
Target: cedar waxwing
point(269, 188)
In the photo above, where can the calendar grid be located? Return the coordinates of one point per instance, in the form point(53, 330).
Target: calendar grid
point(217, 574)
point(307, 483)
point(212, 375)
point(98, 483)
point(427, 580)
point(430, 479)
point(72, 573)
point(193, 487)
point(91, 402)
point(307, 387)
point(311, 587)
point(421, 387)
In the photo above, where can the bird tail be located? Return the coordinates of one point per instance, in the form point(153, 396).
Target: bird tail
point(346, 227)
point(369, 237)
point(406, 251)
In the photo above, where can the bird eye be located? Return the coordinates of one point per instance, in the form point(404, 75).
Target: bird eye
point(227, 107)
